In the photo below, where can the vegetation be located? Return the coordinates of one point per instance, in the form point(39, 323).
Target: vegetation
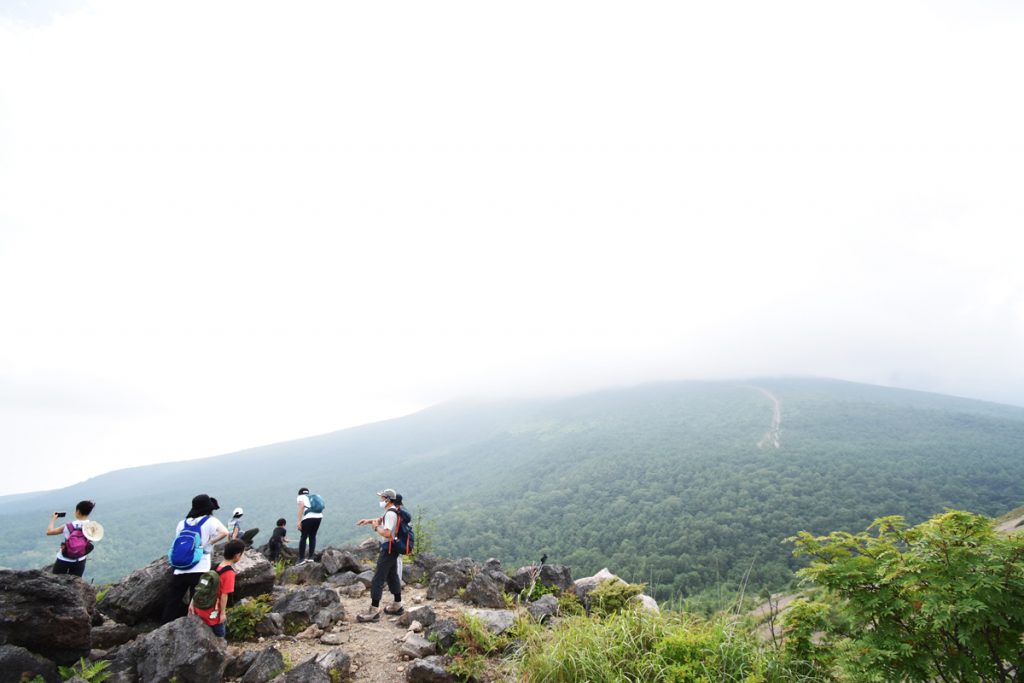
point(245, 616)
point(611, 596)
point(93, 672)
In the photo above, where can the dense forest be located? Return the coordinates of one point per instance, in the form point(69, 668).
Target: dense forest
point(669, 484)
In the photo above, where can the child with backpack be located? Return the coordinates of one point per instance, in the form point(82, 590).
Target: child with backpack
point(278, 540)
point(190, 552)
point(396, 530)
point(311, 513)
point(77, 545)
point(210, 601)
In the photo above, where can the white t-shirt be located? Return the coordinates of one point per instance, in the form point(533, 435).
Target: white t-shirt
point(303, 500)
point(210, 528)
point(67, 534)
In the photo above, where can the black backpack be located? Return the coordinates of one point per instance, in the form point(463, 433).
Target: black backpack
point(404, 540)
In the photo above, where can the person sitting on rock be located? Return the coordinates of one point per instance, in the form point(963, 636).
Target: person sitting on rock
point(278, 540)
point(237, 531)
point(211, 531)
point(387, 560)
point(216, 617)
point(74, 561)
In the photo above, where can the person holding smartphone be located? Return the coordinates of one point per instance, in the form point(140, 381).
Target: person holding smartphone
point(70, 563)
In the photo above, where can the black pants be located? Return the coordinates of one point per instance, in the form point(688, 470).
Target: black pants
point(309, 529)
point(180, 585)
point(73, 568)
point(275, 551)
point(387, 571)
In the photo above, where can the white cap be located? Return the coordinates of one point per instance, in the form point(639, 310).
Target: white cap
point(237, 513)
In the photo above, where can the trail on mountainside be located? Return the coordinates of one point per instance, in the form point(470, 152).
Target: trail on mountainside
point(773, 435)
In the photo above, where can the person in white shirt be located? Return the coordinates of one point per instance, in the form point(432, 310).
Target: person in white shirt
point(387, 560)
point(184, 581)
point(64, 564)
point(308, 525)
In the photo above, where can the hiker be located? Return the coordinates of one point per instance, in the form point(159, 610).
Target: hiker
point(202, 530)
point(79, 536)
point(278, 540)
point(387, 560)
point(309, 523)
point(216, 615)
point(237, 531)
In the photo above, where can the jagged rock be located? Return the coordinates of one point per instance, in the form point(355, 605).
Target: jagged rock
point(647, 603)
point(556, 576)
point(342, 579)
point(112, 634)
point(310, 605)
point(335, 560)
point(423, 614)
point(416, 627)
point(254, 575)
point(184, 650)
point(272, 624)
point(95, 655)
point(310, 633)
point(492, 564)
point(443, 633)
point(520, 581)
point(47, 614)
point(303, 574)
point(506, 583)
point(427, 562)
point(353, 591)
point(333, 639)
point(430, 670)
point(413, 573)
point(365, 578)
point(496, 621)
point(237, 665)
point(323, 668)
point(543, 608)
point(443, 586)
point(482, 590)
point(416, 646)
point(140, 596)
point(585, 585)
point(18, 664)
point(267, 664)
point(289, 555)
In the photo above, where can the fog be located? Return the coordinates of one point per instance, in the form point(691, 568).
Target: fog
point(225, 226)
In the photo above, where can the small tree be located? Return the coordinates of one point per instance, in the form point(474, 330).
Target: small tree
point(940, 601)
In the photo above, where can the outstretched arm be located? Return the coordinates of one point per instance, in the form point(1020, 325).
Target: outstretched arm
point(52, 530)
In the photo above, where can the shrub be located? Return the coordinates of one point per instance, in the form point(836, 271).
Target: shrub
point(93, 672)
point(245, 616)
point(611, 596)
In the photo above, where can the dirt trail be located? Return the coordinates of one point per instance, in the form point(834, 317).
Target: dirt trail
point(773, 435)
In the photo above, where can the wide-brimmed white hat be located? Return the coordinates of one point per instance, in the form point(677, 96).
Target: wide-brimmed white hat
point(93, 530)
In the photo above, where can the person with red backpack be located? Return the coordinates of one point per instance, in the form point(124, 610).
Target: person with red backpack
point(76, 545)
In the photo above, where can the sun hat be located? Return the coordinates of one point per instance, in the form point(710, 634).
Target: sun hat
point(388, 493)
point(93, 531)
point(202, 505)
point(238, 512)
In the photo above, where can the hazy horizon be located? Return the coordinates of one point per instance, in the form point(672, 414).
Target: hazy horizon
point(235, 225)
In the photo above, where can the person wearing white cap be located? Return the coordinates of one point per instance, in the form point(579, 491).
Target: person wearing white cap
point(387, 561)
point(78, 538)
point(237, 531)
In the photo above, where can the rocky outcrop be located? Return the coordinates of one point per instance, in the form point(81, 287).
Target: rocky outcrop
point(556, 576)
point(267, 664)
point(140, 596)
point(443, 633)
point(18, 664)
point(112, 634)
point(336, 560)
point(306, 606)
point(430, 670)
point(324, 668)
point(184, 650)
point(543, 608)
point(49, 615)
point(254, 575)
point(447, 578)
point(415, 647)
point(495, 621)
point(424, 614)
point(304, 574)
point(484, 591)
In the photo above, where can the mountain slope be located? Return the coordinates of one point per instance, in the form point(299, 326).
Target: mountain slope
point(666, 482)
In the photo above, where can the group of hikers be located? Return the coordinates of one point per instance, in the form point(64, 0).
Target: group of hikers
point(208, 588)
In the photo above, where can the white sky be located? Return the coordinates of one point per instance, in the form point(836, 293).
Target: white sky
point(227, 224)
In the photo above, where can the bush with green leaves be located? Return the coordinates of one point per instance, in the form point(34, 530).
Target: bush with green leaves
point(941, 601)
point(613, 595)
point(93, 672)
point(245, 616)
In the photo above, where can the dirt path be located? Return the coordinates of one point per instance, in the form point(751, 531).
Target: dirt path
point(773, 435)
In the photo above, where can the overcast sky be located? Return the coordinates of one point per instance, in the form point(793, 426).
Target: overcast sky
point(228, 224)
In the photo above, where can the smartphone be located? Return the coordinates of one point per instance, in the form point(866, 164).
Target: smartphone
point(61, 514)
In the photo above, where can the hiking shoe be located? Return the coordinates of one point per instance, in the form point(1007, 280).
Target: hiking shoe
point(372, 614)
point(394, 610)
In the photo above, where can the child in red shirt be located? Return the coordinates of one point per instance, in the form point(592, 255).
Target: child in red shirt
point(217, 615)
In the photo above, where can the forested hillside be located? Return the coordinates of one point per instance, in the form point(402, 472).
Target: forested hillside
point(667, 483)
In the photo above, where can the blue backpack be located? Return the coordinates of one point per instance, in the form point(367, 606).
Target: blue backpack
point(405, 539)
point(187, 548)
point(316, 503)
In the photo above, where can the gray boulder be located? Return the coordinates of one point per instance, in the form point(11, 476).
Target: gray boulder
point(495, 621)
point(268, 664)
point(112, 634)
point(430, 670)
point(544, 608)
point(443, 633)
point(18, 664)
point(304, 574)
point(140, 596)
point(335, 560)
point(254, 575)
point(589, 583)
point(47, 614)
point(416, 647)
point(239, 664)
point(556, 576)
point(365, 578)
point(423, 614)
point(484, 591)
point(306, 606)
point(272, 624)
point(324, 668)
point(342, 579)
point(184, 650)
